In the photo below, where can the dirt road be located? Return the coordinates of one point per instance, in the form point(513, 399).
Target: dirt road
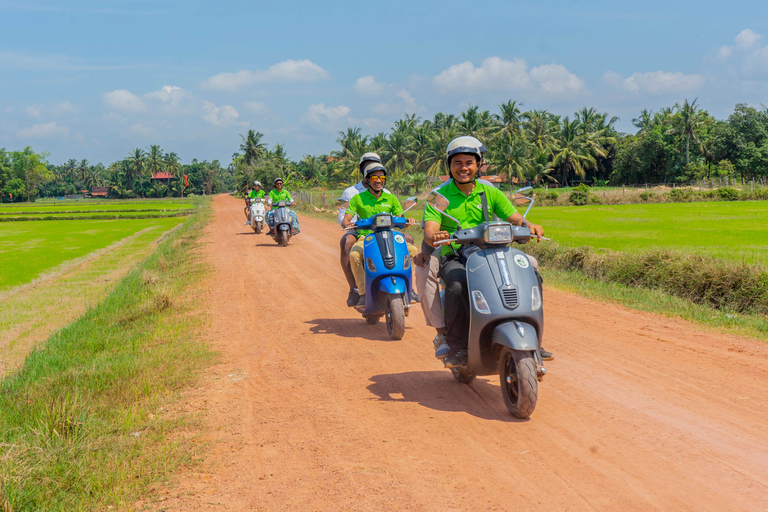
point(313, 409)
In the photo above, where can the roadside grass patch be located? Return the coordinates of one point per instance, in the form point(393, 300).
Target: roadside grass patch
point(733, 287)
point(82, 424)
point(28, 249)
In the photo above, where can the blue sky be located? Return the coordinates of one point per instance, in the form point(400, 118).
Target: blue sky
point(95, 79)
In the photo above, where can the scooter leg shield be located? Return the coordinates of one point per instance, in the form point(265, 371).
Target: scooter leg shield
point(515, 335)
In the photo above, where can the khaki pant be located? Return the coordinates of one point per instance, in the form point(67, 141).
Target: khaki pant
point(356, 262)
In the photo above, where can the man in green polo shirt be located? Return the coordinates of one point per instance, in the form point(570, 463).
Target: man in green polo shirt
point(367, 204)
point(252, 194)
point(276, 195)
point(463, 194)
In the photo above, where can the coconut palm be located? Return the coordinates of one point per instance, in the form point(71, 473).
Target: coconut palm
point(510, 118)
point(540, 129)
point(135, 166)
point(510, 156)
point(171, 165)
point(573, 153)
point(252, 147)
point(686, 123)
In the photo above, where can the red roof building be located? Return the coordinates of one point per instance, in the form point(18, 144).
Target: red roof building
point(162, 176)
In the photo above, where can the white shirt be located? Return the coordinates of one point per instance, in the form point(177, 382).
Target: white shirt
point(348, 194)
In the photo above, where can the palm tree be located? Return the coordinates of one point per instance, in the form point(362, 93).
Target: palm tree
point(510, 117)
point(687, 121)
point(574, 153)
point(135, 166)
point(645, 122)
point(71, 169)
point(154, 160)
point(252, 147)
point(540, 128)
point(172, 165)
point(510, 156)
point(539, 167)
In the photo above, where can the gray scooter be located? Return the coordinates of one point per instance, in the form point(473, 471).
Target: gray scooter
point(506, 319)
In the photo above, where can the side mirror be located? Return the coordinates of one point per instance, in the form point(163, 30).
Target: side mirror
point(410, 203)
point(339, 201)
point(440, 203)
point(523, 190)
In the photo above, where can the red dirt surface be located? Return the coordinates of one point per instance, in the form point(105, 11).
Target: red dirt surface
point(313, 409)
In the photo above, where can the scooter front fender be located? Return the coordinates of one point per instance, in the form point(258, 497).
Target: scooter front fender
point(393, 285)
point(508, 334)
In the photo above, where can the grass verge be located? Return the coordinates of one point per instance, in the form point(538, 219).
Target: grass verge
point(657, 301)
point(82, 424)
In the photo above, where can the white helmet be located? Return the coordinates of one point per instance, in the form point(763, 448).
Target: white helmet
point(368, 157)
point(466, 145)
point(372, 167)
point(256, 183)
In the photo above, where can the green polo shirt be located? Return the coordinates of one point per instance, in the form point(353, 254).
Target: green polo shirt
point(253, 193)
point(366, 205)
point(468, 209)
point(276, 196)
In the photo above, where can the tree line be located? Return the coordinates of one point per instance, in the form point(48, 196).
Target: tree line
point(677, 144)
point(26, 175)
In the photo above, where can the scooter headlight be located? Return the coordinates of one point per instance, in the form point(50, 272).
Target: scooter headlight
point(371, 266)
point(478, 299)
point(499, 233)
point(407, 261)
point(535, 299)
point(383, 221)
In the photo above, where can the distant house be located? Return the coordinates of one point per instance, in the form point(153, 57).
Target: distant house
point(99, 192)
point(162, 175)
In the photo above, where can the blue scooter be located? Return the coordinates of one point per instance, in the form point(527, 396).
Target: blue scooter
point(388, 290)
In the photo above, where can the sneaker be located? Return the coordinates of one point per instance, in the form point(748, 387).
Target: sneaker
point(458, 358)
point(353, 297)
point(415, 298)
point(441, 347)
point(361, 302)
point(546, 356)
point(246, 223)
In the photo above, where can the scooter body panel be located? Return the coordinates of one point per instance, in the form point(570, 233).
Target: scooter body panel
point(387, 266)
point(505, 278)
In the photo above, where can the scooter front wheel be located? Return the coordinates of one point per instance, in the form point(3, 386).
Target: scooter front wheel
point(282, 238)
point(396, 318)
point(519, 385)
point(257, 228)
point(372, 319)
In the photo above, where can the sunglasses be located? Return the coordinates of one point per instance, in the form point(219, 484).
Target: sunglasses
point(378, 178)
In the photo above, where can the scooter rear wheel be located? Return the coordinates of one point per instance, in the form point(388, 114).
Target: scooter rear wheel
point(519, 385)
point(396, 318)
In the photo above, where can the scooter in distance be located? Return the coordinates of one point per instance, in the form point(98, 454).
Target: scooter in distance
point(388, 279)
point(257, 215)
point(506, 318)
point(283, 222)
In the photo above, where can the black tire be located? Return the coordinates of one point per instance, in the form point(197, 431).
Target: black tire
point(372, 319)
point(396, 318)
point(462, 376)
point(519, 385)
point(282, 238)
point(257, 229)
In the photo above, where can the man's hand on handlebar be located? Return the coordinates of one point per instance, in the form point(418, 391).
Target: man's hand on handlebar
point(536, 231)
point(440, 235)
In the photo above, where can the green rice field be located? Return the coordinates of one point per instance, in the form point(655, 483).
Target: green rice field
point(736, 230)
point(31, 249)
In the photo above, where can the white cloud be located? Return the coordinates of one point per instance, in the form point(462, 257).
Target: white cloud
point(256, 107)
point(322, 115)
point(123, 100)
point(656, 82)
point(286, 71)
point(224, 115)
point(368, 86)
point(411, 106)
point(747, 38)
point(43, 131)
point(496, 74)
point(556, 80)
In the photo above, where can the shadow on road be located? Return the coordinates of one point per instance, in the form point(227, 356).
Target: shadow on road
point(355, 327)
point(440, 391)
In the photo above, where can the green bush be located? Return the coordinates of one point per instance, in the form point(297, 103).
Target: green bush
point(679, 195)
point(727, 193)
point(552, 195)
point(647, 195)
point(580, 195)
